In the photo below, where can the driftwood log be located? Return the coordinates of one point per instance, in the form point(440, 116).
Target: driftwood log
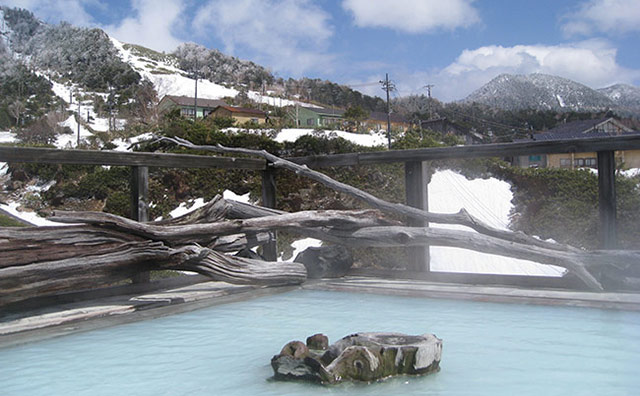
point(591, 267)
point(101, 248)
point(107, 248)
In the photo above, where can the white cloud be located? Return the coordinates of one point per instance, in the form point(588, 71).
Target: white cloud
point(591, 62)
point(152, 26)
point(603, 16)
point(412, 16)
point(288, 35)
point(72, 11)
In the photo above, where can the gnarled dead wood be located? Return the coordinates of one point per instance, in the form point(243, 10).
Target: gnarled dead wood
point(206, 234)
point(239, 270)
point(462, 217)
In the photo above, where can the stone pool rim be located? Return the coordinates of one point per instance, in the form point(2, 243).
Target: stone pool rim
point(99, 309)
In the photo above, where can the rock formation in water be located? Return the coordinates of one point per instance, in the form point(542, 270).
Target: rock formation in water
point(358, 357)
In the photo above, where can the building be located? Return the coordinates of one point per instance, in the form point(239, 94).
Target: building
point(314, 117)
point(377, 121)
point(446, 126)
point(584, 129)
point(186, 105)
point(240, 114)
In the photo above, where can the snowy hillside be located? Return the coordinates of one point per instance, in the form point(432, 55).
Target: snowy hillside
point(546, 92)
point(168, 79)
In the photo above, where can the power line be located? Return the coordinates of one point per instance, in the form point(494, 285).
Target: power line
point(369, 84)
point(523, 131)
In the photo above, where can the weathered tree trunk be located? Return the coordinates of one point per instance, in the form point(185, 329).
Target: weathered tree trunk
point(105, 248)
point(507, 243)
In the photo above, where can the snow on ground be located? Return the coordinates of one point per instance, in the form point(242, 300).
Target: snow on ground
point(227, 194)
point(368, 140)
point(186, 207)
point(175, 83)
point(30, 217)
point(71, 140)
point(631, 172)
point(70, 93)
point(490, 201)
point(7, 137)
point(301, 244)
point(126, 144)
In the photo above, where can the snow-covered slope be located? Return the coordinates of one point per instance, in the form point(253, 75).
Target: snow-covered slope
point(168, 79)
point(540, 92)
point(624, 95)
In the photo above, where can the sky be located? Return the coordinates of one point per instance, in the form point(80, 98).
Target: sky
point(455, 45)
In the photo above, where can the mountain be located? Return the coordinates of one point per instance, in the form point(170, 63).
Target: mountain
point(625, 96)
point(113, 79)
point(540, 92)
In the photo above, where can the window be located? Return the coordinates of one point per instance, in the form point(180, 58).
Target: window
point(591, 162)
point(565, 162)
point(188, 111)
point(310, 121)
point(535, 158)
point(578, 162)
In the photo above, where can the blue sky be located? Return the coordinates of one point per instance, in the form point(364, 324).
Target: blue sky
point(457, 45)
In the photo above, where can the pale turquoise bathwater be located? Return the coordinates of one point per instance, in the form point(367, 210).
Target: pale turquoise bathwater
point(489, 349)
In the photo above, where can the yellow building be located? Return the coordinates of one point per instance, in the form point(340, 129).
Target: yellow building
point(240, 114)
point(584, 129)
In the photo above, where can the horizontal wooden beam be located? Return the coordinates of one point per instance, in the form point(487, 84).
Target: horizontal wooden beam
point(529, 281)
point(119, 158)
point(631, 142)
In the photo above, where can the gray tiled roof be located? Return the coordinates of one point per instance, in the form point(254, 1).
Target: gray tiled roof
point(578, 130)
point(188, 101)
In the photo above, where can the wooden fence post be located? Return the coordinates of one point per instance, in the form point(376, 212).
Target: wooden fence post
point(415, 176)
point(269, 250)
point(607, 199)
point(140, 206)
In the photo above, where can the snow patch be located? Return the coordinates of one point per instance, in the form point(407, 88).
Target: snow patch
point(633, 172)
point(228, 194)
point(490, 201)
point(370, 139)
point(127, 144)
point(29, 217)
point(301, 244)
point(187, 207)
point(71, 140)
point(8, 137)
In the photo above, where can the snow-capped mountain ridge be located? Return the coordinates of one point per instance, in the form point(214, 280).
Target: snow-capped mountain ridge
point(547, 92)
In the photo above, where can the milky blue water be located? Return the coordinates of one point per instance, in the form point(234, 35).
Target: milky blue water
point(489, 349)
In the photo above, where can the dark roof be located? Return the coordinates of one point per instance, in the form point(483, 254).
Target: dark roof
point(243, 110)
point(382, 116)
point(188, 101)
point(323, 111)
point(583, 129)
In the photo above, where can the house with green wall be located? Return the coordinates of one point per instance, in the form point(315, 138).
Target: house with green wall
point(186, 104)
point(313, 117)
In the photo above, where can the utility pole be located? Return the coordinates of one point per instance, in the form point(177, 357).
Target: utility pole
point(388, 86)
point(428, 87)
point(195, 98)
point(78, 118)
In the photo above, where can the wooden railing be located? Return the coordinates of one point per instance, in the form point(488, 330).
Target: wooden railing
point(414, 162)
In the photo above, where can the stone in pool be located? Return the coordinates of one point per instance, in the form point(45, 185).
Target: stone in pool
point(358, 357)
